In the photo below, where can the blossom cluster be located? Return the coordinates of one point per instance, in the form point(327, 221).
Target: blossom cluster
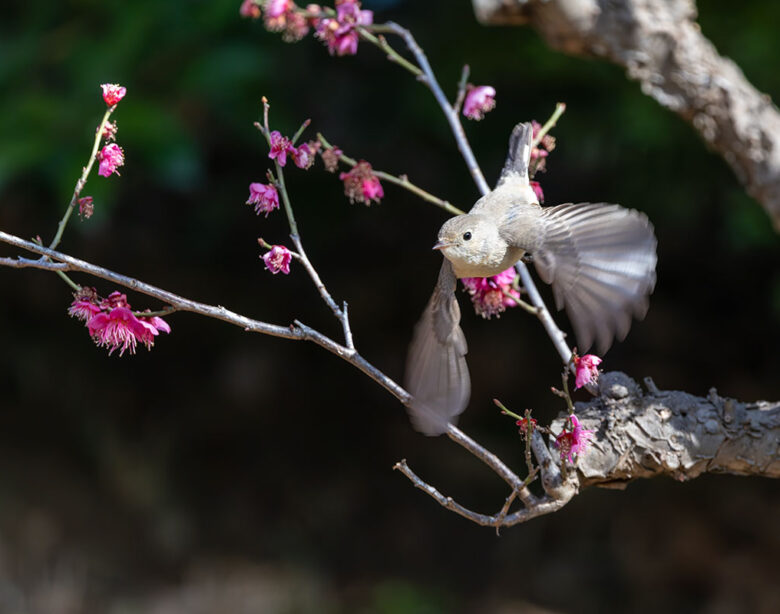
point(338, 28)
point(111, 156)
point(492, 295)
point(361, 184)
point(111, 322)
point(281, 147)
point(265, 196)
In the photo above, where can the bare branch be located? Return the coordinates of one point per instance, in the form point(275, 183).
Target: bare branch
point(660, 44)
point(429, 79)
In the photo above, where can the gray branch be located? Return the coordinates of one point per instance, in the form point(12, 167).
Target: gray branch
point(639, 435)
point(660, 44)
point(673, 433)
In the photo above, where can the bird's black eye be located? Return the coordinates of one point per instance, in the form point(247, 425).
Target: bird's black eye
point(467, 236)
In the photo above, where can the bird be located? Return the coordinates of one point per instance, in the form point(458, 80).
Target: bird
point(600, 260)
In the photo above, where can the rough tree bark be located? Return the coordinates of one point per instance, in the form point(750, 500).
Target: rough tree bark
point(661, 45)
point(673, 433)
point(635, 435)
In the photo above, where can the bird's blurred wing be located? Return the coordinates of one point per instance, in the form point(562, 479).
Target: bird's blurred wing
point(600, 260)
point(436, 373)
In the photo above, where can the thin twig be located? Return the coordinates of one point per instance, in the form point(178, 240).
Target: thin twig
point(504, 511)
point(492, 461)
point(297, 332)
point(543, 506)
point(399, 180)
point(549, 124)
point(429, 79)
point(81, 180)
point(521, 303)
point(462, 85)
point(345, 325)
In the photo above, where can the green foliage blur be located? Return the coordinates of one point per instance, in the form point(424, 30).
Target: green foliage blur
point(220, 446)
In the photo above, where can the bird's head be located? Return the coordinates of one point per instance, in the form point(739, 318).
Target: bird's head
point(471, 242)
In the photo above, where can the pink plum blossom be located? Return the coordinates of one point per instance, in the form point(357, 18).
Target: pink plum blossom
point(111, 157)
point(330, 158)
point(479, 100)
point(277, 8)
point(586, 369)
point(489, 294)
point(278, 259)
point(280, 147)
point(284, 16)
point(112, 324)
point(86, 207)
point(340, 34)
point(109, 131)
point(85, 304)
point(574, 441)
point(303, 156)
point(361, 184)
point(264, 197)
point(296, 28)
point(113, 93)
point(249, 9)
point(524, 423)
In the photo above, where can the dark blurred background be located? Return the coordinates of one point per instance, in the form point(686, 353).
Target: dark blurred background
point(226, 472)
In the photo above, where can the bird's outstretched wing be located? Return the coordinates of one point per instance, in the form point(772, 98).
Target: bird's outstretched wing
point(600, 260)
point(436, 371)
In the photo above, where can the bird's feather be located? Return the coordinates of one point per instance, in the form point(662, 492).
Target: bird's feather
point(436, 373)
point(600, 260)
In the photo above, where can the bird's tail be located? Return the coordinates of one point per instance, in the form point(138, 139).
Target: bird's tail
point(600, 260)
point(519, 156)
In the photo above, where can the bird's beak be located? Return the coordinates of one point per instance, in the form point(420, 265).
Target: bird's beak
point(442, 245)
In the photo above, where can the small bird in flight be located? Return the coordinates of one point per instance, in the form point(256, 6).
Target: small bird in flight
point(599, 258)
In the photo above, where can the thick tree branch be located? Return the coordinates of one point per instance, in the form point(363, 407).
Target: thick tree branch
point(661, 45)
point(673, 433)
point(640, 435)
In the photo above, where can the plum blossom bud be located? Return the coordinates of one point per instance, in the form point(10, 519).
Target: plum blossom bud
point(86, 208)
point(113, 93)
point(111, 157)
point(586, 369)
point(361, 184)
point(330, 158)
point(537, 190)
point(278, 259)
point(489, 294)
point(574, 441)
point(264, 197)
point(249, 9)
point(479, 100)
